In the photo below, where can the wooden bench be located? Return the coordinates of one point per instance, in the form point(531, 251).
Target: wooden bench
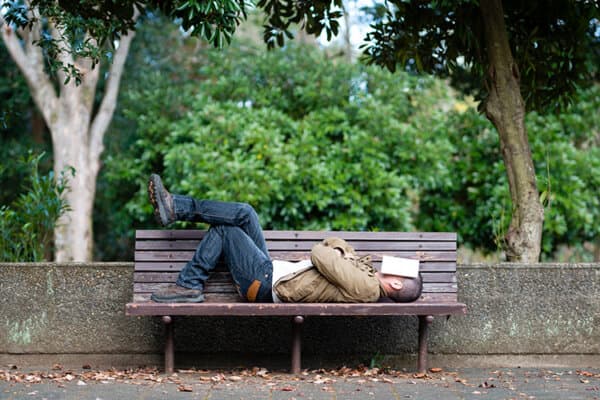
point(160, 255)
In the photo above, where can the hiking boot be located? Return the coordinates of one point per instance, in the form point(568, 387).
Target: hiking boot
point(161, 200)
point(177, 294)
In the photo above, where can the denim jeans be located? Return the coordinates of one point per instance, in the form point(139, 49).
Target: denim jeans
point(236, 237)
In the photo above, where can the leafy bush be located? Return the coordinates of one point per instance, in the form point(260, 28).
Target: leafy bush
point(315, 143)
point(27, 225)
point(310, 142)
point(474, 198)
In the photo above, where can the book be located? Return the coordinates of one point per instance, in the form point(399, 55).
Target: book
point(406, 267)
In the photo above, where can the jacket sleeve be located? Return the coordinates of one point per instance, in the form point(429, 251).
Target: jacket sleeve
point(358, 283)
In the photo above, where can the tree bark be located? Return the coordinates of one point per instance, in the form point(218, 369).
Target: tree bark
point(505, 108)
point(77, 134)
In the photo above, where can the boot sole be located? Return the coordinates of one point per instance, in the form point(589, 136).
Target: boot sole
point(160, 212)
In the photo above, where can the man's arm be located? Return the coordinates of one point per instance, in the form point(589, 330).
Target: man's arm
point(358, 282)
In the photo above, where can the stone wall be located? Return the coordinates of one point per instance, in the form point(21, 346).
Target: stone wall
point(543, 312)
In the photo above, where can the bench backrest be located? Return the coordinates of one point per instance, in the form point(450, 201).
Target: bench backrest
point(161, 254)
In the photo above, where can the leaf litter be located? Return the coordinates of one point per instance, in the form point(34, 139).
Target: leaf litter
point(152, 376)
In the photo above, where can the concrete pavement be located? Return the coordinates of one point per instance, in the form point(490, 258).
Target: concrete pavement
point(257, 383)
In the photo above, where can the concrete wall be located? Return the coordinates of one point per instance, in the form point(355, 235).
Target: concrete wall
point(546, 314)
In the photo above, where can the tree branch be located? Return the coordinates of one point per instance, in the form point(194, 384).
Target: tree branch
point(109, 101)
point(30, 60)
point(64, 55)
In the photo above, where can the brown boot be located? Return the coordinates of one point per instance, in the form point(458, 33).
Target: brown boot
point(161, 200)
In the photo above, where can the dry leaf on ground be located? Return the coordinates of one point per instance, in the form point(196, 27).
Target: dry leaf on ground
point(185, 388)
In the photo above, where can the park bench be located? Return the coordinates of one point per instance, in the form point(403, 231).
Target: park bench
point(160, 255)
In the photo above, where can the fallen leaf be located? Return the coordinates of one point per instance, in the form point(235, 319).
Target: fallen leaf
point(287, 389)
point(81, 383)
point(235, 378)
point(585, 373)
point(435, 370)
point(86, 366)
point(185, 388)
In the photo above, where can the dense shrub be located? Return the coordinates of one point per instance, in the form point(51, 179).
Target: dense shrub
point(474, 198)
point(27, 225)
point(315, 143)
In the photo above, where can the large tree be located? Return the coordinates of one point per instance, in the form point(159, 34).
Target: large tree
point(515, 56)
point(67, 100)
point(59, 48)
point(519, 54)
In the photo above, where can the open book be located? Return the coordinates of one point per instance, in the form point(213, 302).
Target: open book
point(406, 267)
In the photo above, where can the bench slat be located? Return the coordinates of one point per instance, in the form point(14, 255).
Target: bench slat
point(149, 277)
point(148, 266)
point(293, 309)
point(235, 298)
point(187, 255)
point(306, 235)
point(191, 245)
point(220, 287)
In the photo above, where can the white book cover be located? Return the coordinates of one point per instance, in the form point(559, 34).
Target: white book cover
point(398, 266)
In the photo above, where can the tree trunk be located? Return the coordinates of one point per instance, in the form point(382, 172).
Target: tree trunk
point(77, 135)
point(70, 133)
point(505, 108)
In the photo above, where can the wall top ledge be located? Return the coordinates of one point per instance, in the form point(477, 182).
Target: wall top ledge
point(530, 266)
point(129, 264)
point(116, 264)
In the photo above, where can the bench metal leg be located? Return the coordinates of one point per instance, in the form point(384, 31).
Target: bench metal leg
point(169, 345)
point(296, 343)
point(424, 323)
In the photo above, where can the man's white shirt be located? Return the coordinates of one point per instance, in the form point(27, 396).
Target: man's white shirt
point(283, 268)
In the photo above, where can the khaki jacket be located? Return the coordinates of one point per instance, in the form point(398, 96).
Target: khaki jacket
point(333, 278)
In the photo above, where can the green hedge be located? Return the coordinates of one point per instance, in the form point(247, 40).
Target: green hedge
point(315, 143)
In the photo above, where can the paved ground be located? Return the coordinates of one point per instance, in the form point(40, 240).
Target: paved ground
point(258, 383)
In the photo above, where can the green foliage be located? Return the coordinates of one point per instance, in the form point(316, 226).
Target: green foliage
point(554, 43)
point(310, 142)
point(27, 225)
point(89, 28)
point(14, 95)
point(473, 199)
point(316, 16)
point(314, 143)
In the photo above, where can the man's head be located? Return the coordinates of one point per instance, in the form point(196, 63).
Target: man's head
point(400, 289)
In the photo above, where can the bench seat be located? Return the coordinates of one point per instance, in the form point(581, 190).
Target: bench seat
point(161, 254)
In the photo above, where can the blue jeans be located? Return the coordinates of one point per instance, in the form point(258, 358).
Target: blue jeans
point(236, 237)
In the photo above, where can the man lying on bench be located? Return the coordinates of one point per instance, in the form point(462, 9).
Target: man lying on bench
point(334, 273)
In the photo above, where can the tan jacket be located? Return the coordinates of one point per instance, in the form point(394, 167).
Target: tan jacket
point(333, 278)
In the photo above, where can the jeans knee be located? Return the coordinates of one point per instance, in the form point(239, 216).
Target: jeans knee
point(247, 212)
